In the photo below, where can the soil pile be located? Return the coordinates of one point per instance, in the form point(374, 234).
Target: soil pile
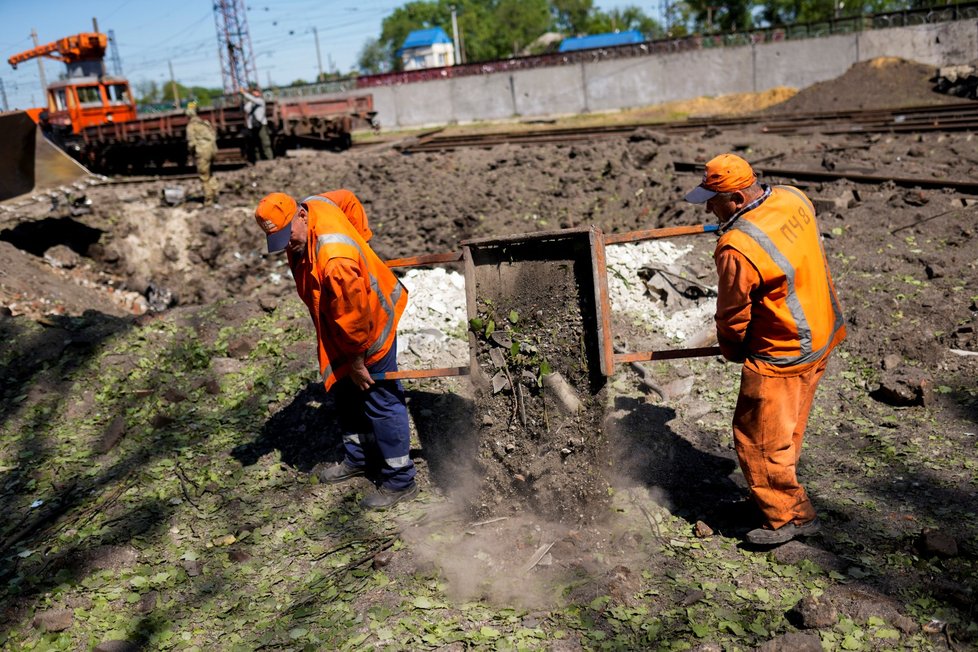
point(540, 442)
point(881, 83)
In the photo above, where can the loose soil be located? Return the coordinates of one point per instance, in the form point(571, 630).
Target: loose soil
point(540, 439)
point(891, 455)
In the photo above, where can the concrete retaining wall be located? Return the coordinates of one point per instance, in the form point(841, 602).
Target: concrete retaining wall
point(641, 81)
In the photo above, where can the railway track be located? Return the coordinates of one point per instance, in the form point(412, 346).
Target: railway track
point(959, 116)
point(805, 174)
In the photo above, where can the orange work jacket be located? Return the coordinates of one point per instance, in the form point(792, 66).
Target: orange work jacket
point(777, 307)
point(347, 202)
point(355, 301)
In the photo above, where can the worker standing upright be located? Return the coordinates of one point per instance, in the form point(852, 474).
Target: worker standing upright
point(355, 302)
point(256, 122)
point(202, 143)
point(778, 314)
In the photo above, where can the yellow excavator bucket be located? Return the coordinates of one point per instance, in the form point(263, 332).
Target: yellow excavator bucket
point(28, 161)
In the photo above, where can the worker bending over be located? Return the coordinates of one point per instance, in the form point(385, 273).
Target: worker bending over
point(778, 314)
point(355, 303)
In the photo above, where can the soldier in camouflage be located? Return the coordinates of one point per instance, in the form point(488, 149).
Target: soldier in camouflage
point(202, 143)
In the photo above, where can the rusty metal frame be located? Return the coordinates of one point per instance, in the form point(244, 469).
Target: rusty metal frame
point(607, 358)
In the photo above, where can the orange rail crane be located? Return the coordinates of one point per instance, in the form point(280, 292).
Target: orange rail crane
point(87, 96)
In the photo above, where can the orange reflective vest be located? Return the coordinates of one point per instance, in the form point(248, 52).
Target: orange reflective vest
point(354, 299)
point(353, 209)
point(783, 311)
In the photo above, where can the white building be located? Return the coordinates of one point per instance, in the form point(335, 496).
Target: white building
point(427, 48)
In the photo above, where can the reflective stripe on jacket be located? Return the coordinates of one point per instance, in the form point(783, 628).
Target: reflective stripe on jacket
point(786, 317)
point(354, 299)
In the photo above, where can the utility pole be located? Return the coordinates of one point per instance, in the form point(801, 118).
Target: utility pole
point(173, 83)
point(461, 45)
point(319, 58)
point(40, 66)
point(457, 59)
point(709, 17)
point(3, 94)
point(102, 62)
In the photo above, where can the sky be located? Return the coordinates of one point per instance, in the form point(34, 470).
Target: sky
point(152, 35)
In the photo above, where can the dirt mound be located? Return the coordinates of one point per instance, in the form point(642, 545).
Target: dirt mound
point(540, 442)
point(733, 104)
point(884, 82)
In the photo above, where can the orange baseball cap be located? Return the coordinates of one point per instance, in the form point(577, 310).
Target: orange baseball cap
point(724, 173)
point(274, 215)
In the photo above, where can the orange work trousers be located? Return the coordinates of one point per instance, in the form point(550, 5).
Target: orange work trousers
point(769, 426)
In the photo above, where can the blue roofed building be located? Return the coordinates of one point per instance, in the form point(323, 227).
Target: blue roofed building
point(427, 48)
point(609, 40)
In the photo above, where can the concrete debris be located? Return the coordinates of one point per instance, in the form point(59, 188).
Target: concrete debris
point(500, 382)
point(53, 620)
point(813, 613)
point(963, 353)
point(702, 530)
point(557, 388)
point(159, 298)
point(891, 361)
point(795, 552)
point(62, 257)
point(935, 543)
point(958, 80)
point(904, 387)
point(174, 196)
point(628, 294)
point(497, 358)
point(846, 199)
point(679, 388)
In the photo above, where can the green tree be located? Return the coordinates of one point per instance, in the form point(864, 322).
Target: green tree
point(478, 29)
point(786, 12)
point(517, 24)
point(205, 96)
point(708, 17)
point(146, 91)
point(573, 17)
point(166, 92)
point(621, 20)
point(374, 57)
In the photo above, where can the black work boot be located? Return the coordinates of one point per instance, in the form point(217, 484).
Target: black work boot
point(768, 537)
point(383, 497)
point(336, 472)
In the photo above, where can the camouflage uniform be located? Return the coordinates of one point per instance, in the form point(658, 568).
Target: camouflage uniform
point(202, 142)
